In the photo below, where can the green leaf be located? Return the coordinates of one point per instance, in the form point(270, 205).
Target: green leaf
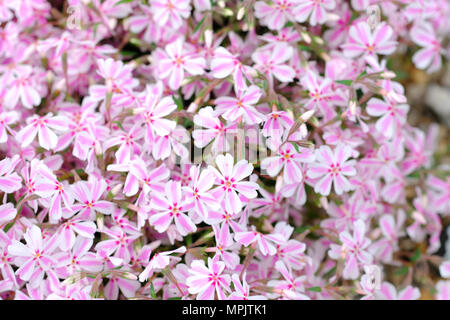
point(178, 102)
point(174, 298)
point(416, 255)
point(122, 2)
point(301, 229)
point(330, 272)
point(304, 48)
point(315, 289)
point(345, 82)
point(152, 290)
point(199, 24)
point(119, 125)
point(402, 271)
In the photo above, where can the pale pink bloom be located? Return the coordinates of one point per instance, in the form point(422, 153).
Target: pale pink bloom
point(275, 125)
point(176, 60)
point(78, 258)
point(88, 195)
point(66, 233)
point(170, 12)
point(175, 141)
point(22, 87)
point(6, 119)
point(50, 187)
point(42, 126)
point(224, 63)
point(363, 41)
point(215, 131)
point(204, 280)
point(159, 261)
point(229, 177)
point(392, 231)
point(441, 197)
point(117, 282)
point(276, 14)
point(128, 143)
point(332, 167)
point(443, 290)
point(242, 290)
point(121, 243)
point(429, 57)
point(202, 5)
point(322, 95)
point(273, 63)
point(7, 213)
point(36, 256)
point(291, 288)
point(9, 180)
point(6, 259)
point(170, 207)
point(156, 110)
point(241, 106)
point(353, 250)
point(316, 10)
point(385, 162)
point(224, 246)
point(289, 159)
point(389, 292)
point(198, 191)
point(360, 5)
point(444, 269)
point(393, 115)
point(266, 242)
point(152, 180)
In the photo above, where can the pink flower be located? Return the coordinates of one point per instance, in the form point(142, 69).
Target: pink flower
point(171, 207)
point(363, 41)
point(389, 292)
point(265, 241)
point(441, 193)
point(315, 10)
point(353, 250)
point(393, 115)
point(224, 63)
point(290, 287)
point(215, 131)
point(42, 127)
point(7, 118)
point(229, 177)
point(332, 167)
point(392, 231)
point(88, 195)
point(36, 255)
point(428, 57)
point(272, 63)
point(276, 14)
point(22, 87)
point(170, 12)
point(9, 180)
point(175, 60)
point(443, 290)
point(7, 213)
point(242, 290)
point(289, 159)
point(128, 143)
point(204, 280)
point(121, 243)
point(198, 192)
point(159, 261)
point(241, 106)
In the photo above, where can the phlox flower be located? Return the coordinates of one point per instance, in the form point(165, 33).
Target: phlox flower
point(363, 41)
point(266, 242)
point(36, 257)
point(175, 60)
point(159, 261)
point(9, 180)
point(290, 287)
point(242, 290)
point(429, 57)
point(389, 292)
point(170, 12)
point(42, 126)
point(120, 243)
point(224, 246)
point(276, 14)
point(441, 195)
point(229, 177)
point(393, 115)
point(205, 280)
point(353, 250)
point(88, 195)
point(171, 207)
point(332, 168)
point(289, 159)
point(23, 87)
point(315, 10)
point(241, 106)
point(6, 119)
point(272, 63)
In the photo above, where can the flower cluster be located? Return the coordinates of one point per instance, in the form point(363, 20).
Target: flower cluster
point(210, 149)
